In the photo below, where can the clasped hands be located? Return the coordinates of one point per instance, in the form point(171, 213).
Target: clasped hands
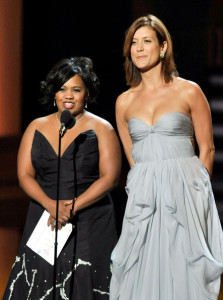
point(65, 213)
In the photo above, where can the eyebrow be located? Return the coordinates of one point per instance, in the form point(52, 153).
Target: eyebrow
point(74, 86)
point(144, 37)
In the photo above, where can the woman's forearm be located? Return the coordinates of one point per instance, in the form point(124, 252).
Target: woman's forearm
point(95, 192)
point(207, 158)
point(33, 190)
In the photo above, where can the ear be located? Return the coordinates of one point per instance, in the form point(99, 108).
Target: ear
point(164, 46)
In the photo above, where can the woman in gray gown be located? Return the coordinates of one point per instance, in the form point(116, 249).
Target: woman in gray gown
point(171, 244)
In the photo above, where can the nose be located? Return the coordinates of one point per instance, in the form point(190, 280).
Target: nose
point(69, 94)
point(140, 47)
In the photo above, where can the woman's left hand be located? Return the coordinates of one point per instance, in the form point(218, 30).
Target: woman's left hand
point(52, 222)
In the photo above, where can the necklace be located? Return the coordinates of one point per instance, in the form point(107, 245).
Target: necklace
point(84, 112)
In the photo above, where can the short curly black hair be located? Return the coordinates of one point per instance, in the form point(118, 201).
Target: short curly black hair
point(63, 71)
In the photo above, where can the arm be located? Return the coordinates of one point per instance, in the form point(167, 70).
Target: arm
point(122, 126)
point(201, 117)
point(109, 167)
point(26, 176)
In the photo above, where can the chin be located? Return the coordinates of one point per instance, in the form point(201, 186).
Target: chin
point(144, 69)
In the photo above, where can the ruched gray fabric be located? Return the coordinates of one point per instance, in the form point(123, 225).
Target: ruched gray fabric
point(171, 244)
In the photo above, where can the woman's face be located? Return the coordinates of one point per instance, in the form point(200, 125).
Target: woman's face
point(145, 48)
point(72, 95)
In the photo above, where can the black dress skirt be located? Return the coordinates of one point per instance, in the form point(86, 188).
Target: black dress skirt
point(83, 266)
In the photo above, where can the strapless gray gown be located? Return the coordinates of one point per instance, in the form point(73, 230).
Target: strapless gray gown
point(171, 244)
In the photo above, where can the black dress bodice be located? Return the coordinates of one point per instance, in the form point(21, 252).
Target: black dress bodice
point(79, 165)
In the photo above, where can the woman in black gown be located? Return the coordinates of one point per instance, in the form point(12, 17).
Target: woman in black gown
point(90, 167)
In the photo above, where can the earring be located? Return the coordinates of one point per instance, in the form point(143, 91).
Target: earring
point(162, 54)
point(86, 99)
point(54, 102)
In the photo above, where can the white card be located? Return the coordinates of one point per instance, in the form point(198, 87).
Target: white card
point(42, 239)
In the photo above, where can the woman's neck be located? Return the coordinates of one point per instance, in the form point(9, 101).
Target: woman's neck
point(153, 78)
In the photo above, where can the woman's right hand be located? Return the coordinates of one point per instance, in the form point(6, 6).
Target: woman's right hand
point(52, 222)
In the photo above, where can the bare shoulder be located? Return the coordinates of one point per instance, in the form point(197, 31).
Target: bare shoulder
point(190, 92)
point(124, 98)
point(99, 124)
point(124, 101)
point(39, 123)
point(198, 104)
point(190, 88)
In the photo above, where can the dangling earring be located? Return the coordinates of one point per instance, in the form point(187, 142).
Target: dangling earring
point(86, 100)
point(162, 54)
point(54, 102)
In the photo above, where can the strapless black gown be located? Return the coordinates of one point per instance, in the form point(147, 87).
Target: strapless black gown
point(83, 266)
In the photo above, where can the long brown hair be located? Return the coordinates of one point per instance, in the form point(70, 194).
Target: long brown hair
point(132, 73)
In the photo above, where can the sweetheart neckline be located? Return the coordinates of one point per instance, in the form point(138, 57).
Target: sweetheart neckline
point(67, 146)
point(173, 112)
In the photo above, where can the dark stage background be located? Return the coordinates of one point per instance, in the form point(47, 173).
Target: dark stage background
point(56, 29)
point(53, 30)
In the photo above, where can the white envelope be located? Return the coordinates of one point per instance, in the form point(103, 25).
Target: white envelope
point(42, 239)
